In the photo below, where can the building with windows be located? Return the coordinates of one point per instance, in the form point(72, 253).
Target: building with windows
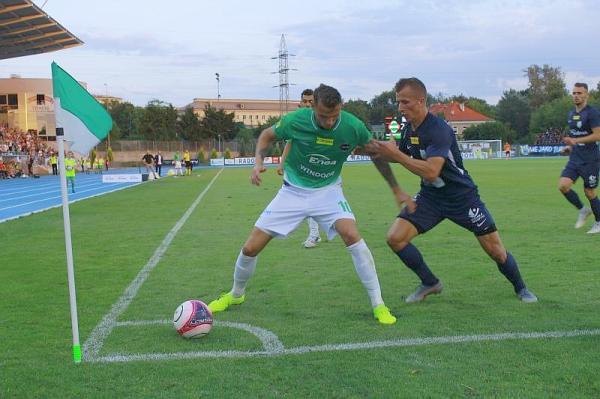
point(28, 104)
point(251, 113)
point(459, 116)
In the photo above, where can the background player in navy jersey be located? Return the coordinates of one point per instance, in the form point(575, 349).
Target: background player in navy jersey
point(429, 150)
point(584, 158)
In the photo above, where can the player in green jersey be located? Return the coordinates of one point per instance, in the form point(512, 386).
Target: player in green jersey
point(322, 137)
point(314, 237)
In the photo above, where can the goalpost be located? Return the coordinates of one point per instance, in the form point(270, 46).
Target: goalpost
point(480, 149)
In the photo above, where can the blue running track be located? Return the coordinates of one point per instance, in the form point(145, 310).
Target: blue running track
point(24, 196)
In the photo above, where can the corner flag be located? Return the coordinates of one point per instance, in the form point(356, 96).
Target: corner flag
point(84, 121)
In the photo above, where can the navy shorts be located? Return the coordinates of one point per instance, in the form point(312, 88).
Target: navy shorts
point(587, 171)
point(471, 214)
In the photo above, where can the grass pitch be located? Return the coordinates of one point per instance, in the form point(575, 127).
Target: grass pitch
point(306, 298)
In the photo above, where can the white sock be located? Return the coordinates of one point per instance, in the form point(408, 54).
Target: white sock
point(244, 269)
point(313, 228)
point(365, 268)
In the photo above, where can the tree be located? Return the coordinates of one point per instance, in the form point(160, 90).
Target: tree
point(546, 83)
point(126, 118)
point(382, 105)
point(189, 126)
point(489, 131)
point(270, 122)
point(550, 115)
point(246, 142)
point(513, 110)
point(159, 121)
point(438, 98)
point(594, 98)
point(217, 122)
point(358, 108)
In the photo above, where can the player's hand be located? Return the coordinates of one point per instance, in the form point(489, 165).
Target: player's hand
point(565, 150)
point(404, 199)
point(569, 141)
point(255, 176)
point(382, 150)
point(280, 170)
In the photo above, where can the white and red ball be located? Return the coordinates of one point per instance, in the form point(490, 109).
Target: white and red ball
point(193, 319)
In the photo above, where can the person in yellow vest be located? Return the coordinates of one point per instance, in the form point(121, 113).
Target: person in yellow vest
point(54, 163)
point(88, 165)
point(70, 166)
point(188, 163)
point(99, 165)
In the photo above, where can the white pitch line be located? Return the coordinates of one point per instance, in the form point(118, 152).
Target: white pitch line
point(405, 342)
point(93, 344)
point(268, 339)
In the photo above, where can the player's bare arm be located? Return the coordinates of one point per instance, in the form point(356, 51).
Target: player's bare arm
point(402, 197)
point(428, 169)
point(286, 150)
point(262, 145)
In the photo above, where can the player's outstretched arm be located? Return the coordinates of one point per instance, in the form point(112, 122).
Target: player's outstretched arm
point(428, 169)
point(262, 145)
point(402, 197)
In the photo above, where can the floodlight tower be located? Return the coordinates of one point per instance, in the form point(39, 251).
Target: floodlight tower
point(284, 84)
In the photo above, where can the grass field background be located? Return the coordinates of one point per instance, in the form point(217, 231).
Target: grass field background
point(305, 297)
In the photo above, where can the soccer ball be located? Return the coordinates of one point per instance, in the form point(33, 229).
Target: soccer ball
point(192, 319)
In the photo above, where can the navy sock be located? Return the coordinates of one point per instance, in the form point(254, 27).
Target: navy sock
point(595, 205)
point(412, 258)
point(573, 198)
point(510, 270)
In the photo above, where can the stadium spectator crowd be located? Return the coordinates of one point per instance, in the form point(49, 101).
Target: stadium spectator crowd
point(19, 151)
point(552, 136)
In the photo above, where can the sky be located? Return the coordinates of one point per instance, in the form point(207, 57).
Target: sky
point(171, 50)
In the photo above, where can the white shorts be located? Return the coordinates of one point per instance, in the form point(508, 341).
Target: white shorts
point(292, 205)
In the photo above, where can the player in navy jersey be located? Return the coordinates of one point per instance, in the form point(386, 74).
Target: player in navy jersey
point(429, 150)
point(584, 158)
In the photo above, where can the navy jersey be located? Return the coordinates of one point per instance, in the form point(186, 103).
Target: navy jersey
point(434, 138)
point(581, 125)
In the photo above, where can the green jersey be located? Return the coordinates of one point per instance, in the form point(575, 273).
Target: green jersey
point(316, 157)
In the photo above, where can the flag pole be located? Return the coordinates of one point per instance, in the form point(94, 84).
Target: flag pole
point(67, 225)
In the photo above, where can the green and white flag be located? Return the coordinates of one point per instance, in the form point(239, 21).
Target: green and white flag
point(84, 120)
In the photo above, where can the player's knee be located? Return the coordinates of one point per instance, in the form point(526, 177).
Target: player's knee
point(396, 242)
point(564, 188)
point(590, 193)
point(350, 237)
point(498, 253)
point(250, 250)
